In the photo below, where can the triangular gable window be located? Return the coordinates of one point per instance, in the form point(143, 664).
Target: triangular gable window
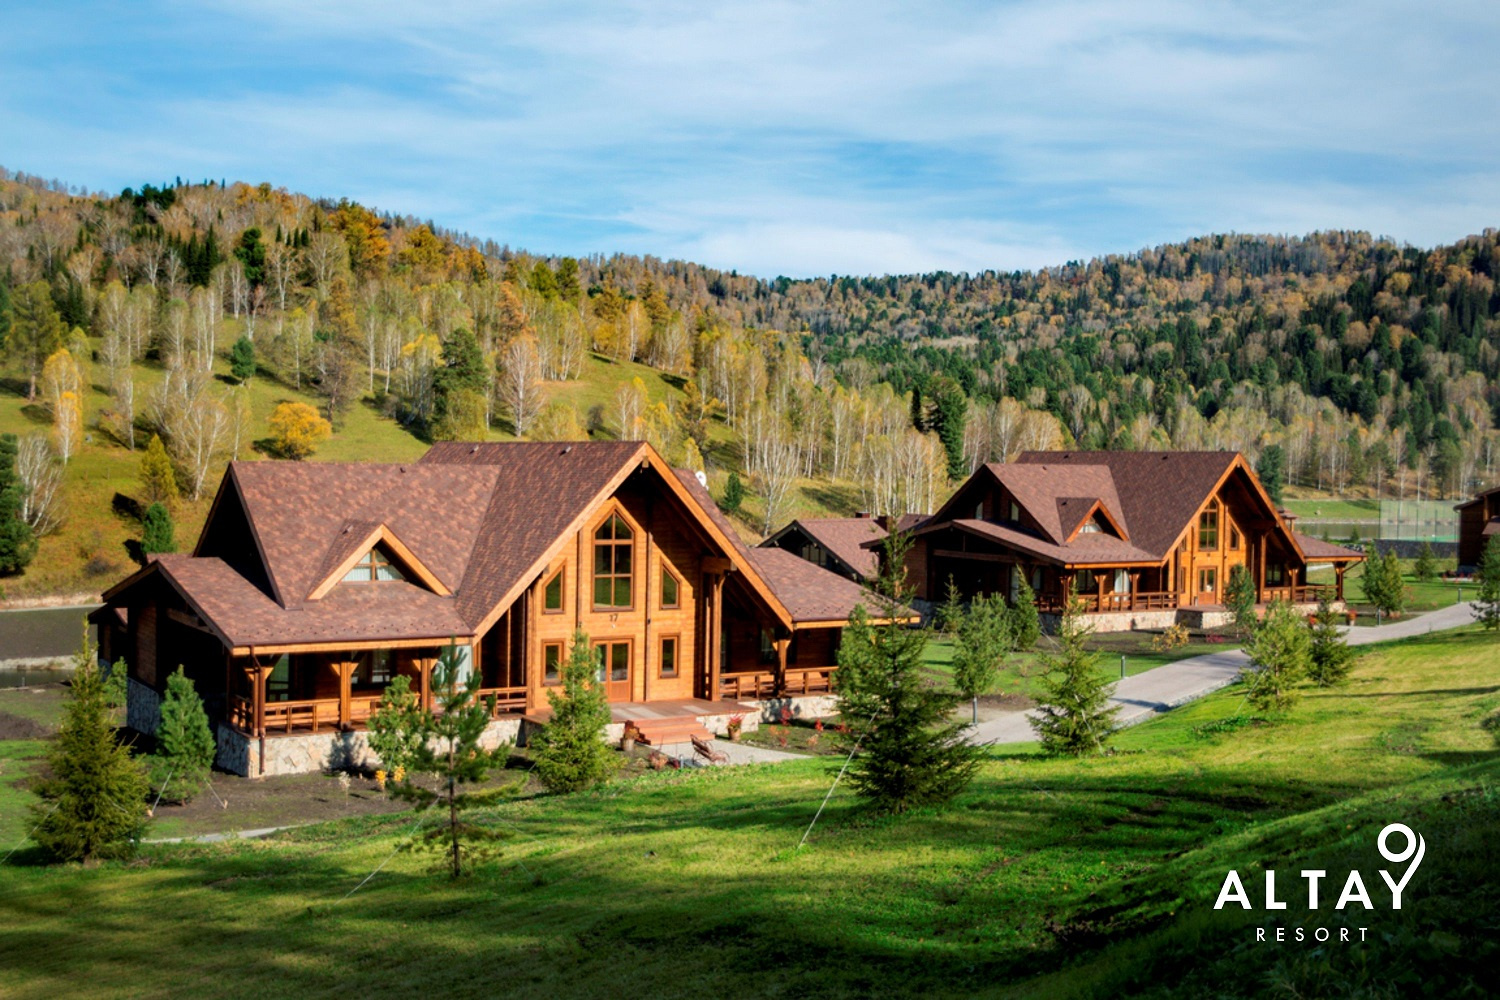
point(375, 566)
point(1096, 525)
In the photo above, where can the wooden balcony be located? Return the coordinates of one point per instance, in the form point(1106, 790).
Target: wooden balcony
point(759, 685)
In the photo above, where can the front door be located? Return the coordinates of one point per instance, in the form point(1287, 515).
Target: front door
point(614, 665)
point(1208, 585)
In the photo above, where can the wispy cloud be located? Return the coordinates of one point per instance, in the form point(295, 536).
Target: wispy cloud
point(790, 138)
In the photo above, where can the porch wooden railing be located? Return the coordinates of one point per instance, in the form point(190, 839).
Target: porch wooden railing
point(759, 684)
point(507, 699)
point(1300, 594)
point(1094, 603)
point(312, 715)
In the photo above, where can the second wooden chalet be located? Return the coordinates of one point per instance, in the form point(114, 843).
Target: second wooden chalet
point(313, 585)
point(1146, 539)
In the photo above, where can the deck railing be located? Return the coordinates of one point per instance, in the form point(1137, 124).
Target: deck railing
point(310, 715)
point(756, 685)
point(1300, 594)
point(1095, 603)
point(507, 699)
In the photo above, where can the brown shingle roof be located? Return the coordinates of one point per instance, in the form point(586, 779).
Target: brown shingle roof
point(480, 518)
point(1316, 548)
point(1156, 492)
point(246, 616)
point(811, 593)
point(844, 536)
point(540, 489)
point(1059, 499)
point(1090, 548)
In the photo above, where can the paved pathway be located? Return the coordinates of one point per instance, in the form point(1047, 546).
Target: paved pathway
point(1146, 694)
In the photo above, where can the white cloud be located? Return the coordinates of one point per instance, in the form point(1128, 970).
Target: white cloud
point(811, 138)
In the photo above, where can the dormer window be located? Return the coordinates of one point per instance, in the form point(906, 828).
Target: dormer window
point(375, 566)
point(1091, 527)
point(1015, 512)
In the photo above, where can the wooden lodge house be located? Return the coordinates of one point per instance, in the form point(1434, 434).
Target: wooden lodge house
point(1147, 539)
point(313, 585)
point(1478, 521)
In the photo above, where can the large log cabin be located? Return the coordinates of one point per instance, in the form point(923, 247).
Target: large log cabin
point(1478, 522)
point(313, 585)
point(1146, 539)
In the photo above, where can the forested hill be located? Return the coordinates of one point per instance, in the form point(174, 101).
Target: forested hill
point(1348, 362)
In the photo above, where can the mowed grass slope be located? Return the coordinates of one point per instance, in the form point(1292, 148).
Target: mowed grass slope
point(690, 884)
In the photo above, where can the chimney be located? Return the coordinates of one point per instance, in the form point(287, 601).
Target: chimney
point(863, 515)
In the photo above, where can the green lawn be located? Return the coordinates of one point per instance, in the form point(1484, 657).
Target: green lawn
point(1022, 673)
point(1098, 874)
point(1335, 510)
point(1420, 596)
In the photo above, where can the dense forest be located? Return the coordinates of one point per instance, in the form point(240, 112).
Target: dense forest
point(1343, 362)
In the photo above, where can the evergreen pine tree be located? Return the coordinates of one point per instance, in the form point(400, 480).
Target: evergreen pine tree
point(458, 388)
point(918, 409)
point(1279, 649)
point(1025, 620)
point(1271, 470)
point(450, 751)
point(185, 744)
point(93, 805)
point(1426, 566)
point(158, 481)
point(1487, 608)
point(17, 540)
point(157, 532)
point(570, 752)
point(1329, 657)
point(395, 727)
point(911, 752)
point(242, 359)
point(1239, 598)
point(951, 614)
point(734, 493)
point(984, 639)
point(1075, 716)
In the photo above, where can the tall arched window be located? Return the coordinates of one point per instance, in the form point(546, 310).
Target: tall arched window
point(612, 579)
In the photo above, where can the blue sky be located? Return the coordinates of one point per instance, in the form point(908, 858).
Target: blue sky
point(782, 138)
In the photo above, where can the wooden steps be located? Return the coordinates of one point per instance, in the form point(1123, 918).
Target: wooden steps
point(661, 732)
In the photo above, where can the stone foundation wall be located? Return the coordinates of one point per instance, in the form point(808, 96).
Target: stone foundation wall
point(1118, 621)
point(312, 753)
point(142, 707)
point(811, 706)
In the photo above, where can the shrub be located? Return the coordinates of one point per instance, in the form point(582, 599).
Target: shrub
point(1279, 649)
point(94, 803)
point(297, 429)
point(1075, 716)
point(1329, 656)
point(185, 744)
point(570, 751)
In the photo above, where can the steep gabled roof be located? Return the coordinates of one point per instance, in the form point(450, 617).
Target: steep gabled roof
point(813, 594)
point(1156, 493)
point(843, 537)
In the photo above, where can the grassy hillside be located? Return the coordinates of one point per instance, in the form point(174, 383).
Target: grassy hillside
point(1098, 875)
point(89, 553)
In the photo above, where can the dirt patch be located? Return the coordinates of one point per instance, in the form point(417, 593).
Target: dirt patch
point(231, 803)
point(16, 727)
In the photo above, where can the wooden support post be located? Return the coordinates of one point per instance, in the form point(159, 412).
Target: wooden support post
point(344, 669)
point(1260, 573)
point(1292, 579)
point(1135, 585)
point(1338, 576)
point(257, 675)
point(781, 645)
point(716, 635)
point(424, 665)
point(1099, 588)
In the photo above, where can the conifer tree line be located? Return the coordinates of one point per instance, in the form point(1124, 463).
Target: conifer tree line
point(1334, 360)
